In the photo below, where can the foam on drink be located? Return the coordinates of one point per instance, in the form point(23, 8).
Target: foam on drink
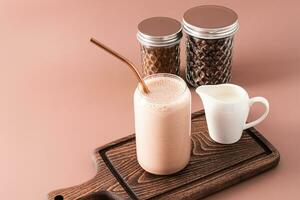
point(164, 89)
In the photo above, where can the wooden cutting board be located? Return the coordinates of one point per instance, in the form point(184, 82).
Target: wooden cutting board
point(212, 168)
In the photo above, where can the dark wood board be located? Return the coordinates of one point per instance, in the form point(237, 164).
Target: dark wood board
point(212, 167)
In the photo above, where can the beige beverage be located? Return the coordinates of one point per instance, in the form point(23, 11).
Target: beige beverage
point(163, 124)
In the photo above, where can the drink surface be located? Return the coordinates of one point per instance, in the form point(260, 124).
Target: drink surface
point(228, 97)
point(164, 89)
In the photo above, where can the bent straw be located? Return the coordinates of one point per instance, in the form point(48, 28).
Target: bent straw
point(125, 60)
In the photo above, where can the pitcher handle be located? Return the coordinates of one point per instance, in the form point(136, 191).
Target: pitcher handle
point(263, 101)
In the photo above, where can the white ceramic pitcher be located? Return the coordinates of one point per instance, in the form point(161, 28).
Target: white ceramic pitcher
point(226, 109)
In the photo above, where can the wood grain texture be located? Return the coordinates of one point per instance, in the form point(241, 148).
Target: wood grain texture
point(212, 167)
point(103, 180)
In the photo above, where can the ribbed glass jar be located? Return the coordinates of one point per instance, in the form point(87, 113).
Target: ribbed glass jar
point(160, 59)
point(209, 44)
point(159, 39)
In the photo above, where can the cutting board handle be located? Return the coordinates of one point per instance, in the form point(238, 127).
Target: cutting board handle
point(102, 186)
point(101, 195)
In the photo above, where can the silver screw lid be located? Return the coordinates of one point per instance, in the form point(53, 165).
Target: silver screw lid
point(159, 31)
point(210, 22)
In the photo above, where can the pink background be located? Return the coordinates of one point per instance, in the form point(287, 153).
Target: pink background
point(61, 97)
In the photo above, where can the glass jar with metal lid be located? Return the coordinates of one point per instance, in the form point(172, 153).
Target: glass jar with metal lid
point(210, 31)
point(159, 38)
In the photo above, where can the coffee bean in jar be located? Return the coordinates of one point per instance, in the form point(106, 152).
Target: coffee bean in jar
point(159, 39)
point(210, 32)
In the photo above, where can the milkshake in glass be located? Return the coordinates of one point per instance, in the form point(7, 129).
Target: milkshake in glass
point(163, 124)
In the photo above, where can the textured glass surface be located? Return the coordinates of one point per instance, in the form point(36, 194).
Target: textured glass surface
point(208, 60)
point(160, 59)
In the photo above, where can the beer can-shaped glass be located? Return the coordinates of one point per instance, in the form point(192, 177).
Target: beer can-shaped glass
point(163, 124)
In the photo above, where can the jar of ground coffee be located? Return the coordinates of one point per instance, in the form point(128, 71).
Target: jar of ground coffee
point(159, 38)
point(210, 30)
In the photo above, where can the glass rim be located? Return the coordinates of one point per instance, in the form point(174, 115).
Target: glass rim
point(173, 76)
